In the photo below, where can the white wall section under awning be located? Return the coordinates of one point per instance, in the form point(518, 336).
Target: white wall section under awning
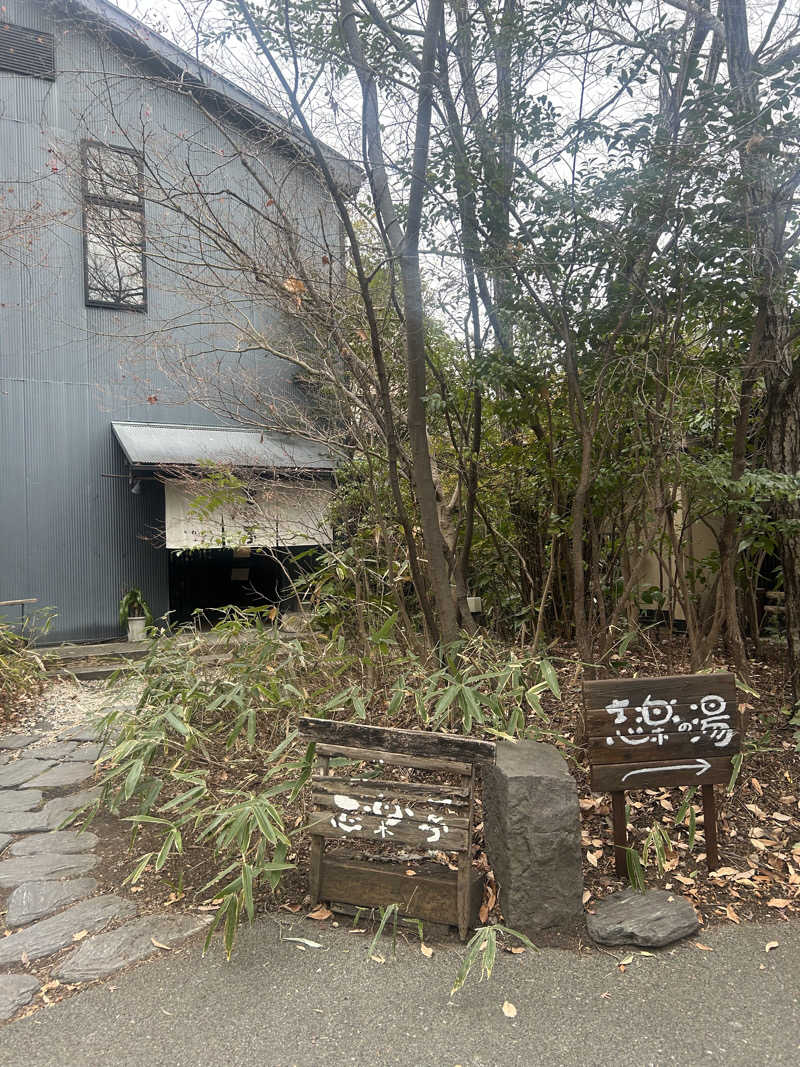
point(275, 515)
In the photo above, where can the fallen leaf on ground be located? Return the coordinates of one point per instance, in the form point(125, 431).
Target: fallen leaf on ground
point(321, 913)
point(705, 948)
point(80, 935)
point(770, 945)
point(303, 941)
point(778, 902)
point(734, 918)
point(426, 951)
point(159, 944)
point(378, 959)
point(517, 950)
point(294, 908)
point(410, 873)
point(509, 1010)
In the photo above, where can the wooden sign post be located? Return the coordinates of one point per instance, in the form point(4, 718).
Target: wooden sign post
point(354, 806)
point(644, 732)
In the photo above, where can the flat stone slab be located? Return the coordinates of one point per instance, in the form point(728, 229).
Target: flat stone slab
point(81, 732)
point(47, 936)
point(61, 775)
point(36, 900)
point(106, 953)
point(89, 752)
point(61, 841)
point(19, 869)
point(57, 750)
point(16, 990)
point(21, 771)
point(58, 809)
point(19, 800)
point(651, 919)
point(23, 822)
point(12, 741)
point(5, 839)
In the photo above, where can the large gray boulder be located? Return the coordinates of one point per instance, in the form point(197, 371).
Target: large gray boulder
point(652, 919)
point(532, 830)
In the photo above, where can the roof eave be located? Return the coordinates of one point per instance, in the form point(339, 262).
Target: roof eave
point(204, 80)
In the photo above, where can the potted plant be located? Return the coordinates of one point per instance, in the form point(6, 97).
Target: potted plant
point(134, 612)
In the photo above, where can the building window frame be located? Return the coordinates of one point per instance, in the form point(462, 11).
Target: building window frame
point(130, 206)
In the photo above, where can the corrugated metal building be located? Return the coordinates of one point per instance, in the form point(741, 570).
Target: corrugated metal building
point(81, 521)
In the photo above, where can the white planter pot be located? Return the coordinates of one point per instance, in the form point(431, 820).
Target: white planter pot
point(136, 628)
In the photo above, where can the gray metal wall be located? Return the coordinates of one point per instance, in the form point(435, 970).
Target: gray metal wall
point(71, 532)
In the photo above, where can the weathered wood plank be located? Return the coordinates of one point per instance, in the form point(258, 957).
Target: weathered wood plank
point(610, 777)
point(710, 826)
point(465, 865)
point(389, 804)
point(685, 689)
point(449, 835)
point(378, 755)
point(406, 742)
point(316, 855)
point(620, 833)
point(376, 786)
point(601, 723)
point(677, 747)
point(432, 898)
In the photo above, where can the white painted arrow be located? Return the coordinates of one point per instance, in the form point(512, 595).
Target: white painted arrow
point(702, 765)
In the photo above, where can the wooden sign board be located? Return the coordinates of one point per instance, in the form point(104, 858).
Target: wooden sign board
point(427, 815)
point(645, 732)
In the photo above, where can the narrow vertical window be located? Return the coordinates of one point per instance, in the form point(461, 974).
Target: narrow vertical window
point(113, 227)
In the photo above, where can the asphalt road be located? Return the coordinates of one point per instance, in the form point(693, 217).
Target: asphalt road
point(277, 1006)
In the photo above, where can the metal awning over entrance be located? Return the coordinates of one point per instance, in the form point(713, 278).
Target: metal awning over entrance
point(148, 446)
point(283, 511)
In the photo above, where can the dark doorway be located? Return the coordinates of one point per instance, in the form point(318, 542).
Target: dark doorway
point(210, 579)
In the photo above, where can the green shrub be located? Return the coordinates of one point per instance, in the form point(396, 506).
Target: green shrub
point(209, 755)
point(22, 672)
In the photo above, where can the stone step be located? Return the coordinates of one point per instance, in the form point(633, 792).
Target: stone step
point(108, 952)
point(63, 842)
point(60, 776)
point(16, 990)
point(47, 936)
point(89, 673)
point(36, 900)
point(22, 770)
point(45, 867)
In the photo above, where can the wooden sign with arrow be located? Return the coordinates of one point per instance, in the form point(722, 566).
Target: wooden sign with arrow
point(645, 732)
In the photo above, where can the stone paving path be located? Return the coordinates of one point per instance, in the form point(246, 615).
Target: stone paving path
point(58, 930)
